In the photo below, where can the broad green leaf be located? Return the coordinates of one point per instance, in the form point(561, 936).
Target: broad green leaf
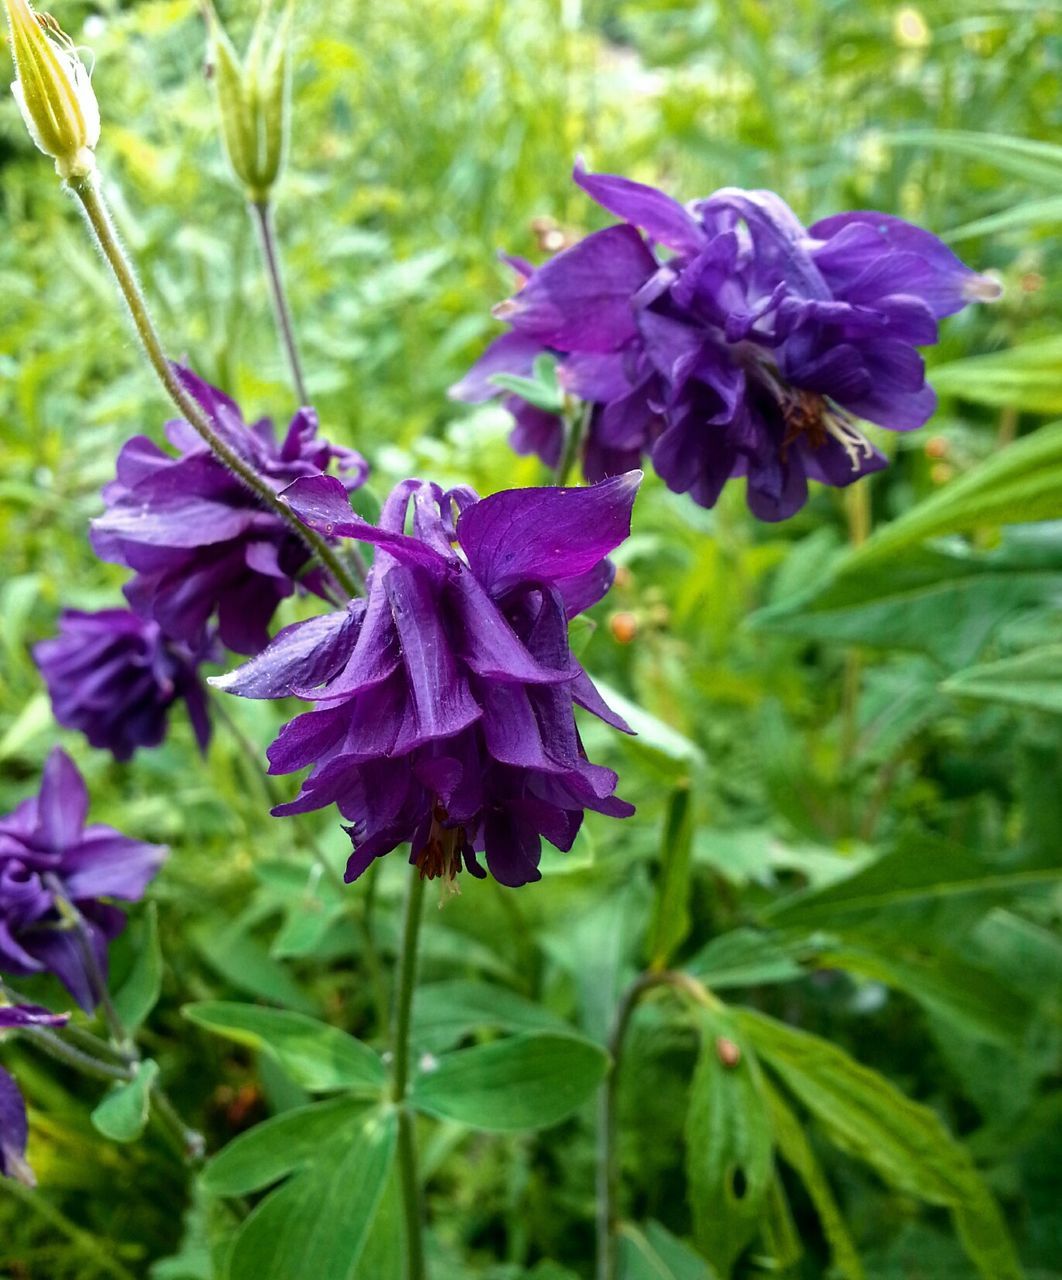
point(1032, 679)
point(139, 993)
point(242, 960)
point(744, 958)
point(528, 1081)
point(970, 997)
point(34, 719)
point(1020, 483)
point(384, 1254)
point(655, 1254)
point(123, 1114)
point(918, 870)
point(942, 603)
point(445, 1012)
point(671, 908)
point(318, 1222)
point(550, 399)
point(728, 1142)
point(317, 1056)
point(904, 1142)
point(779, 1246)
point(1027, 378)
point(796, 1151)
point(273, 1149)
point(651, 730)
point(1036, 162)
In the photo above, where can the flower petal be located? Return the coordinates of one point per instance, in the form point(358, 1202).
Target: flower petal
point(659, 216)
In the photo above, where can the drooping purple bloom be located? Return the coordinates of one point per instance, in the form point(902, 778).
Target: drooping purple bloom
point(725, 339)
point(199, 542)
point(14, 1129)
point(114, 676)
point(45, 847)
point(445, 699)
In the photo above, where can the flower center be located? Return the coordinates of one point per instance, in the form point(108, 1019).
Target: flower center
point(440, 857)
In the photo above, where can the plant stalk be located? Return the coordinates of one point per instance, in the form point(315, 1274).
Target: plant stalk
point(577, 425)
point(262, 217)
point(407, 1140)
point(99, 219)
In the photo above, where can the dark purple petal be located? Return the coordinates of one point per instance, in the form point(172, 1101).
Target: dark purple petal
point(660, 217)
point(63, 803)
point(29, 1015)
point(14, 1132)
point(581, 300)
point(546, 535)
point(300, 656)
point(511, 353)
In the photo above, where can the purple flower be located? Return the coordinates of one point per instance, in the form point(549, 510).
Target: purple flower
point(114, 676)
point(198, 541)
point(725, 339)
point(445, 699)
point(47, 852)
point(13, 1127)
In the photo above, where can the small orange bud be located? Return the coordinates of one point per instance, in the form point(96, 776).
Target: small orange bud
point(624, 627)
point(937, 447)
point(729, 1053)
point(941, 473)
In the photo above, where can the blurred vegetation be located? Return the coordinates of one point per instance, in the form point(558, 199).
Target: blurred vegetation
point(906, 707)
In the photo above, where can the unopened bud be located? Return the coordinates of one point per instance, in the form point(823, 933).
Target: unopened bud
point(252, 97)
point(53, 91)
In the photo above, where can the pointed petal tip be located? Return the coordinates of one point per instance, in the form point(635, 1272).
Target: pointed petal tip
point(982, 288)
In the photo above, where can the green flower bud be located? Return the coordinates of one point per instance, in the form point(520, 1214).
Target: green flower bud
point(53, 91)
point(252, 98)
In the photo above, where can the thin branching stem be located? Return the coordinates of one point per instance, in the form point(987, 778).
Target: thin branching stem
point(262, 217)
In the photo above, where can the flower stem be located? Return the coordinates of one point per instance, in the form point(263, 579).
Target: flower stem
point(407, 1139)
point(577, 426)
point(608, 1173)
point(262, 217)
point(99, 219)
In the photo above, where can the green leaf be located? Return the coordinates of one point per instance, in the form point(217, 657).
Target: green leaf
point(445, 1012)
point(945, 604)
point(276, 1147)
point(139, 994)
point(744, 958)
point(1036, 162)
point(728, 1141)
point(1020, 483)
point(541, 395)
point(317, 1224)
point(239, 958)
point(1026, 378)
point(1031, 679)
point(317, 1056)
point(528, 1081)
point(920, 869)
point(671, 909)
point(656, 1254)
point(903, 1141)
point(652, 732)
point(123, 1114)
point(384, 1254)
point(797, 1152)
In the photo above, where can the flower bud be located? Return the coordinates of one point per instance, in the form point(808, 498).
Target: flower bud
point(53, 91)
point(252, 100)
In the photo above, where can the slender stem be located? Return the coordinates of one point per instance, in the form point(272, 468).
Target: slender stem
point(407, 1139)
point(106, 237)
point(262, 217)
point(857, 506)
point(43, 1207)
point(577, 426)
point(608, 1173)
point(191, 1143)
point(56, 1047)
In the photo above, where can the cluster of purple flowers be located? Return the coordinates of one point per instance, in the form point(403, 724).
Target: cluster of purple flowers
point(52, 864)
point(723, 338)
point(446, 696)
point(209, 564)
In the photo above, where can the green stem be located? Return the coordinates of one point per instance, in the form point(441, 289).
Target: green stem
point(608, 1173)
point(106, 237)
point(407, 1138)
point(577, 425)
point(93, 1248)
point(262, 217)
point(56, 1047)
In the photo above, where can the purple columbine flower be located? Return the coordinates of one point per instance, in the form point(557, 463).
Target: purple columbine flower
point(199, 542)
point(445, 699)
point(14, 1129)
point(114, 676)
point(47, 853)
point(725, 339)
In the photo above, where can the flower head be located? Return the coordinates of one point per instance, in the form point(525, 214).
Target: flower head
point(48, 854)
point(446, 697)
point(725, 339)
point(198, 541)
point(53, 90)
point(114, 676)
